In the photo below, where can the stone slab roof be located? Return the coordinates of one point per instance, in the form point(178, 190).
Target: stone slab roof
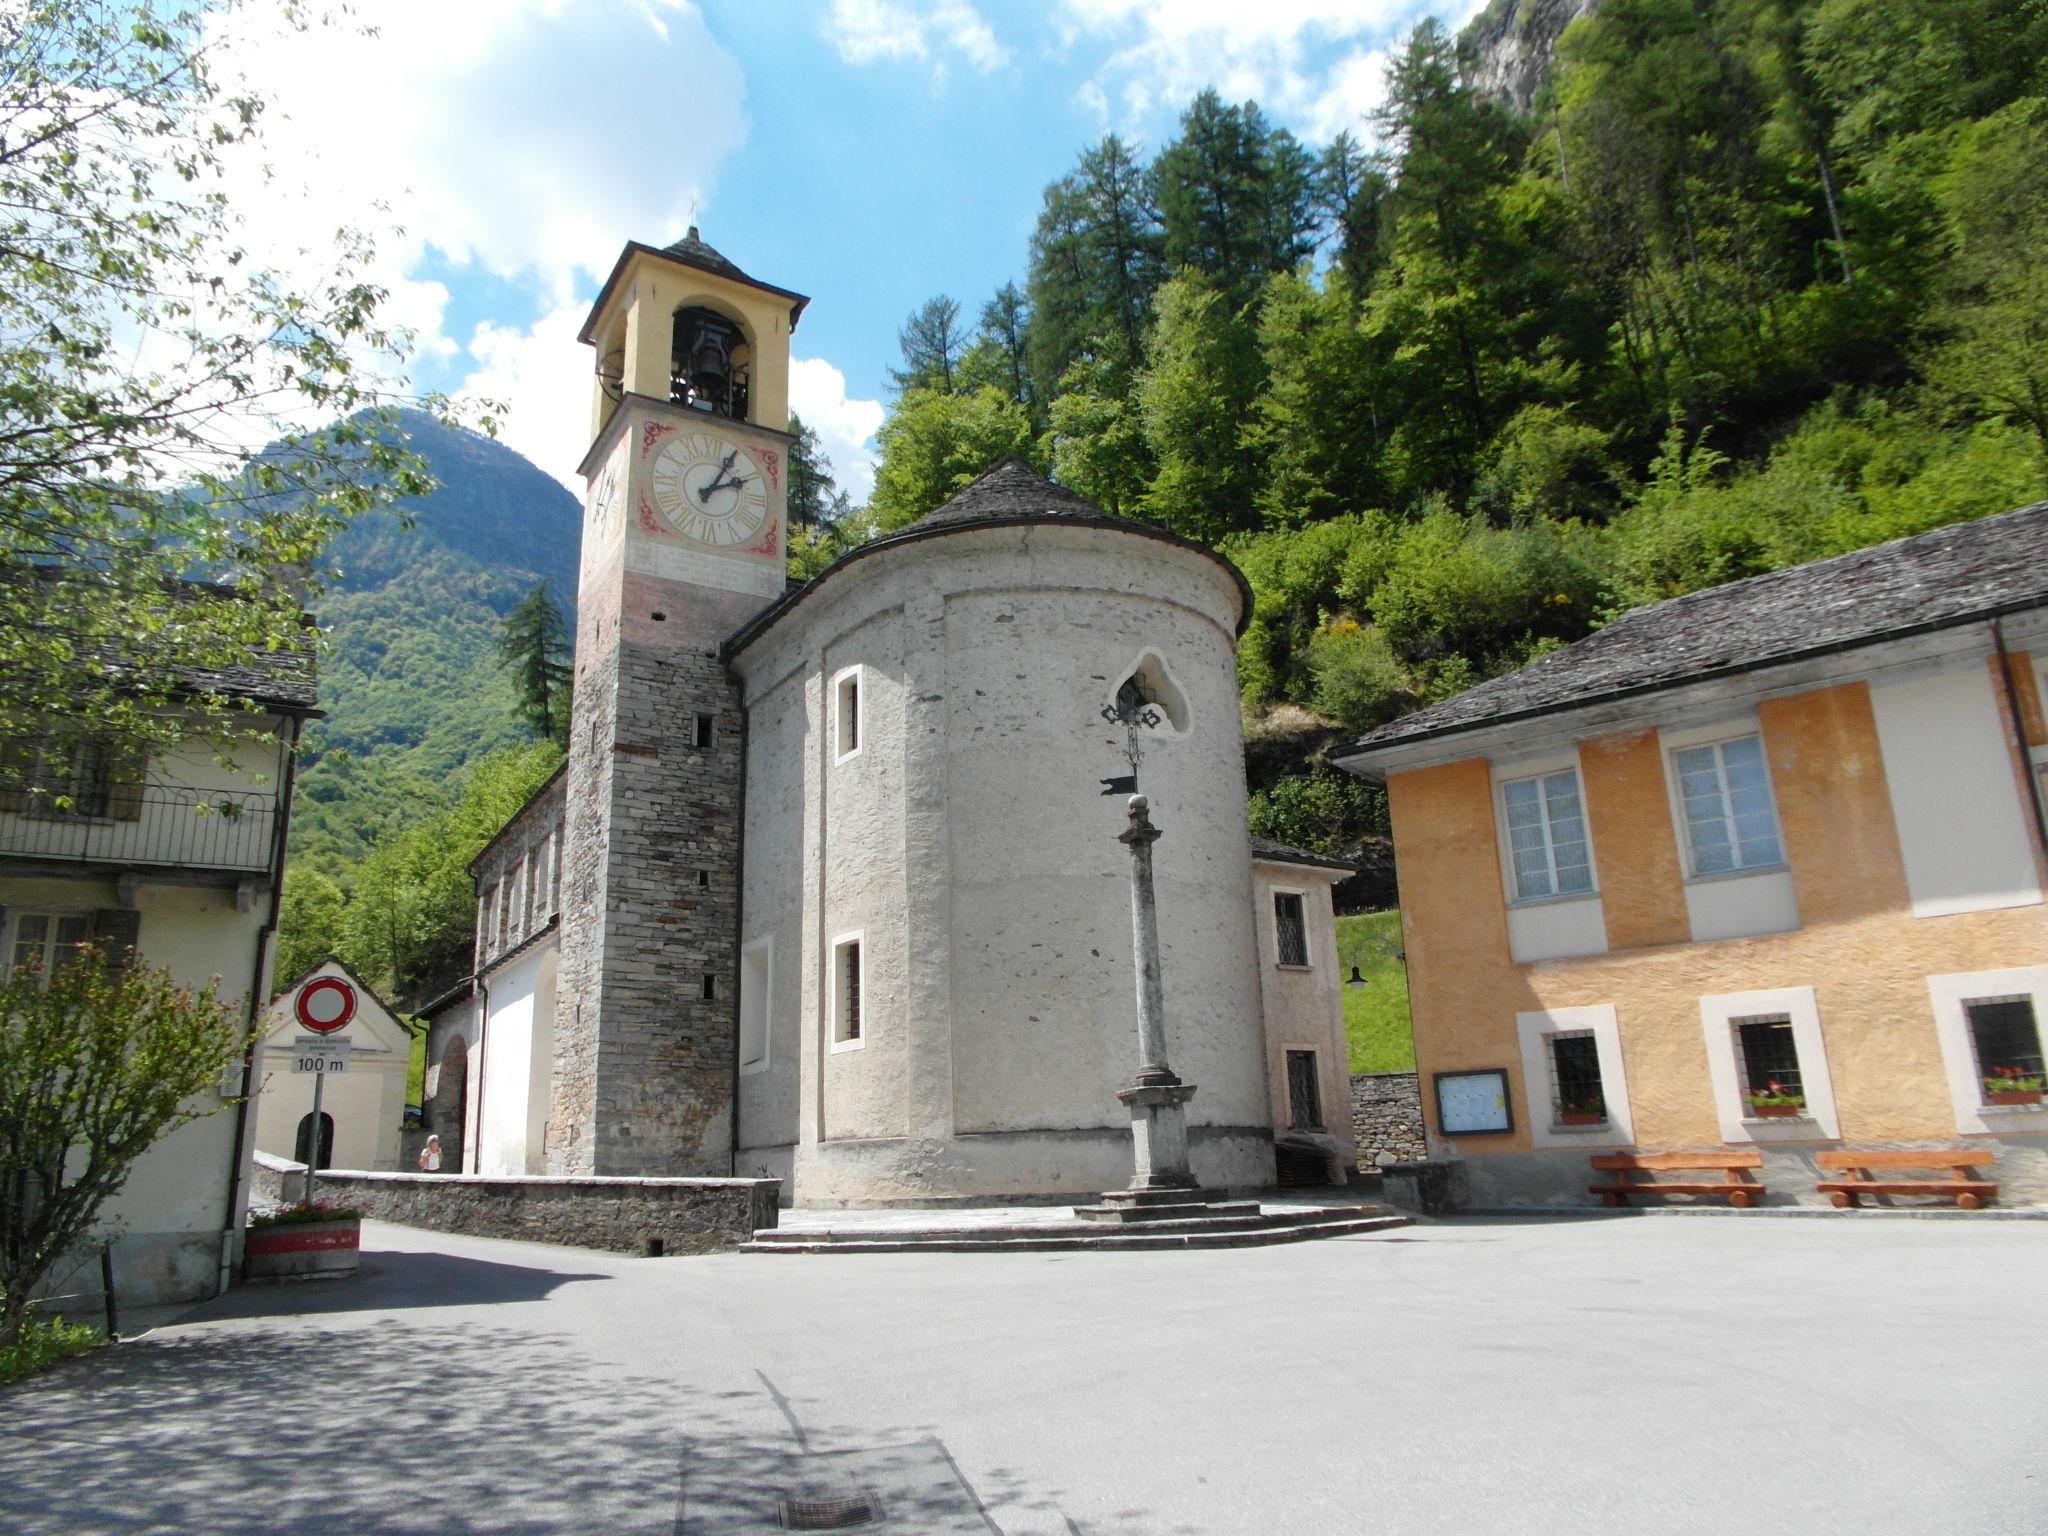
point(1011, 495)
point(1013, 489)
point(286, 680)
point(1937, 580)
point(1282, 853)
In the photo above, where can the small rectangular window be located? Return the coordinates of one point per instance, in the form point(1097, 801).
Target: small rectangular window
point(756, 974)
point(2007, 1039)
point(1304, 1091)
point(1576, 1094)
point(1725, 789)
point(703, 879)
point(1547, 836)
point(846, 714)
point(707, 731)
point(710, 993)
point(848, 1001)
point(1291, 927)
point(46, 941)
point(1769, 1057)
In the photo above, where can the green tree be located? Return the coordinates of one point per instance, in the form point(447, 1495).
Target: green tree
point(534, 644)
point(117, 241)
point(1000, 354)
point(1989, 342)
point(1315, 425)
point(308, 922)
point(1235, 197)
point(1097, 438)
point(1095, 261)
point(934, 443)
point(811, 486)
point(98, 1063)
point(931, 341)
point(411, 912)
point(1324, 810)
point(1201, 376)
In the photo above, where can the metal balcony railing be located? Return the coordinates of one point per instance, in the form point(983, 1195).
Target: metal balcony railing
point(157, 825)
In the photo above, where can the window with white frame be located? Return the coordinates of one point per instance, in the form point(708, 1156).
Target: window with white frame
point(1290, 928)
point(1577, 1095)
point(2006, 1038)
point(1547, 847)
point(1574, 1076)
point(1756, 1039)
point(45, 941)
point(756, 978)
point(1724, 790)
point(849, 994)
point(846, 714)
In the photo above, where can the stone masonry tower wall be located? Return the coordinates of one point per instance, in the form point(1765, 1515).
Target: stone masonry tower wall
point(682, 543)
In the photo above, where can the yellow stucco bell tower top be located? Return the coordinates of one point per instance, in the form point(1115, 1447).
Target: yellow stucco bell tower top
point(686, 511)
point(682, 323)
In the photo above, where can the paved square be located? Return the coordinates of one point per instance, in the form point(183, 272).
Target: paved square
point(1642, 1375)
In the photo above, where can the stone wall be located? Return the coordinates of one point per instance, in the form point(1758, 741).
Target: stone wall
point(1386, 1118)
point(622, 1215)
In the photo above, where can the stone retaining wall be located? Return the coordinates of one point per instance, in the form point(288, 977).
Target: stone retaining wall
point(622, 1215)
point(1386, 1118)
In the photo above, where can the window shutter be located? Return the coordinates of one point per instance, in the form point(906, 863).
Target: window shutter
point(125, 776)
point(116, 929)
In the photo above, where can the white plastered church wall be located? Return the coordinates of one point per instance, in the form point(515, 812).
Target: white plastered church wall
point(972, 849)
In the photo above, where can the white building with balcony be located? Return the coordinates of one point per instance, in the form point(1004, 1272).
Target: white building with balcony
point(179, 858)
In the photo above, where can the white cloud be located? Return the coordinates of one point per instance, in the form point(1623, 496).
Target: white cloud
point(1313, 65)
point(865, 31)
point(1354, 91)
point(817, 393)
point(542, 377)
point(531, 137)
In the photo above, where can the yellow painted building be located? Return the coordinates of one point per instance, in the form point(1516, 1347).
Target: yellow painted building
point(1758, 867)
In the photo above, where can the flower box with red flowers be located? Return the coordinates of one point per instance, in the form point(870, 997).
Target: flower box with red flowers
point(2013, 1085)
point(1776, 1102)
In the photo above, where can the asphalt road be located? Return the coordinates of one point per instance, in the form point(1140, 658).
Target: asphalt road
point(1639, 1375)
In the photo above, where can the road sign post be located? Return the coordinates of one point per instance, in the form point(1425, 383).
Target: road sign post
point(324, 1005)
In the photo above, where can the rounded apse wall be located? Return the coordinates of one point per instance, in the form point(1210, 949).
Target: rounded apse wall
point(941, 889)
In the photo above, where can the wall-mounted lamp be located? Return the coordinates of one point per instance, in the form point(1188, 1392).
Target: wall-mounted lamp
point(1354, 979)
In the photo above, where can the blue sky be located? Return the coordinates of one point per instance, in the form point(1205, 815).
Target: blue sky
point(869, 153)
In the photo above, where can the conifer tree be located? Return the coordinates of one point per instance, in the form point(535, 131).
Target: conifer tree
point(534, 643)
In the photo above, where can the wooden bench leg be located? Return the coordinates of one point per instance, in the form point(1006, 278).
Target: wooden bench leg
point(1841, 1199)
point(1742, 1199)
point(1614, 1199)
point(1970, 1202)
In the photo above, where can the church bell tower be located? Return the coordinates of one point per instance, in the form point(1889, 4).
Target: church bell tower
point(683, 541)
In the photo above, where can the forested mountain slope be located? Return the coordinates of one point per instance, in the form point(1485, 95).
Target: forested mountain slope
point(411, 682)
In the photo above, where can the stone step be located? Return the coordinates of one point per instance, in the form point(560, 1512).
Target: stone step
point(1129, 1214)
point(1239, 1216)
point(1058, 1240)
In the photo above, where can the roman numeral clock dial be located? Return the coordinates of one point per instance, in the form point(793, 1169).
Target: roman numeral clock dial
point(708, 489)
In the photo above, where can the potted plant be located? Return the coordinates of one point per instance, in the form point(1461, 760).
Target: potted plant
point(2013, 1085)
point(1591, 1110)
point(302, 1240)
point(1776, 1101)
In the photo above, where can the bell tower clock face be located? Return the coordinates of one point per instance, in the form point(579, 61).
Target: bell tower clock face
point(708, 488)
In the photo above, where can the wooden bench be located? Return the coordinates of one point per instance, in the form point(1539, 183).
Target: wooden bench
point(1969, 1193)
point(1740, 1191)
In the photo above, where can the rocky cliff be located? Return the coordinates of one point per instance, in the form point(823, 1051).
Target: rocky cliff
point(1508, 46)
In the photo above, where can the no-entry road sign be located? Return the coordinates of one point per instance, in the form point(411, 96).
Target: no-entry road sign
point(325, 1004)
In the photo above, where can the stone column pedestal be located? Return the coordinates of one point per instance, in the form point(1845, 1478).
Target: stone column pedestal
point(1159, 1134)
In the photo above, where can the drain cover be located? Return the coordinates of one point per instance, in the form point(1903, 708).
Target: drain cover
point(830, 1514)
